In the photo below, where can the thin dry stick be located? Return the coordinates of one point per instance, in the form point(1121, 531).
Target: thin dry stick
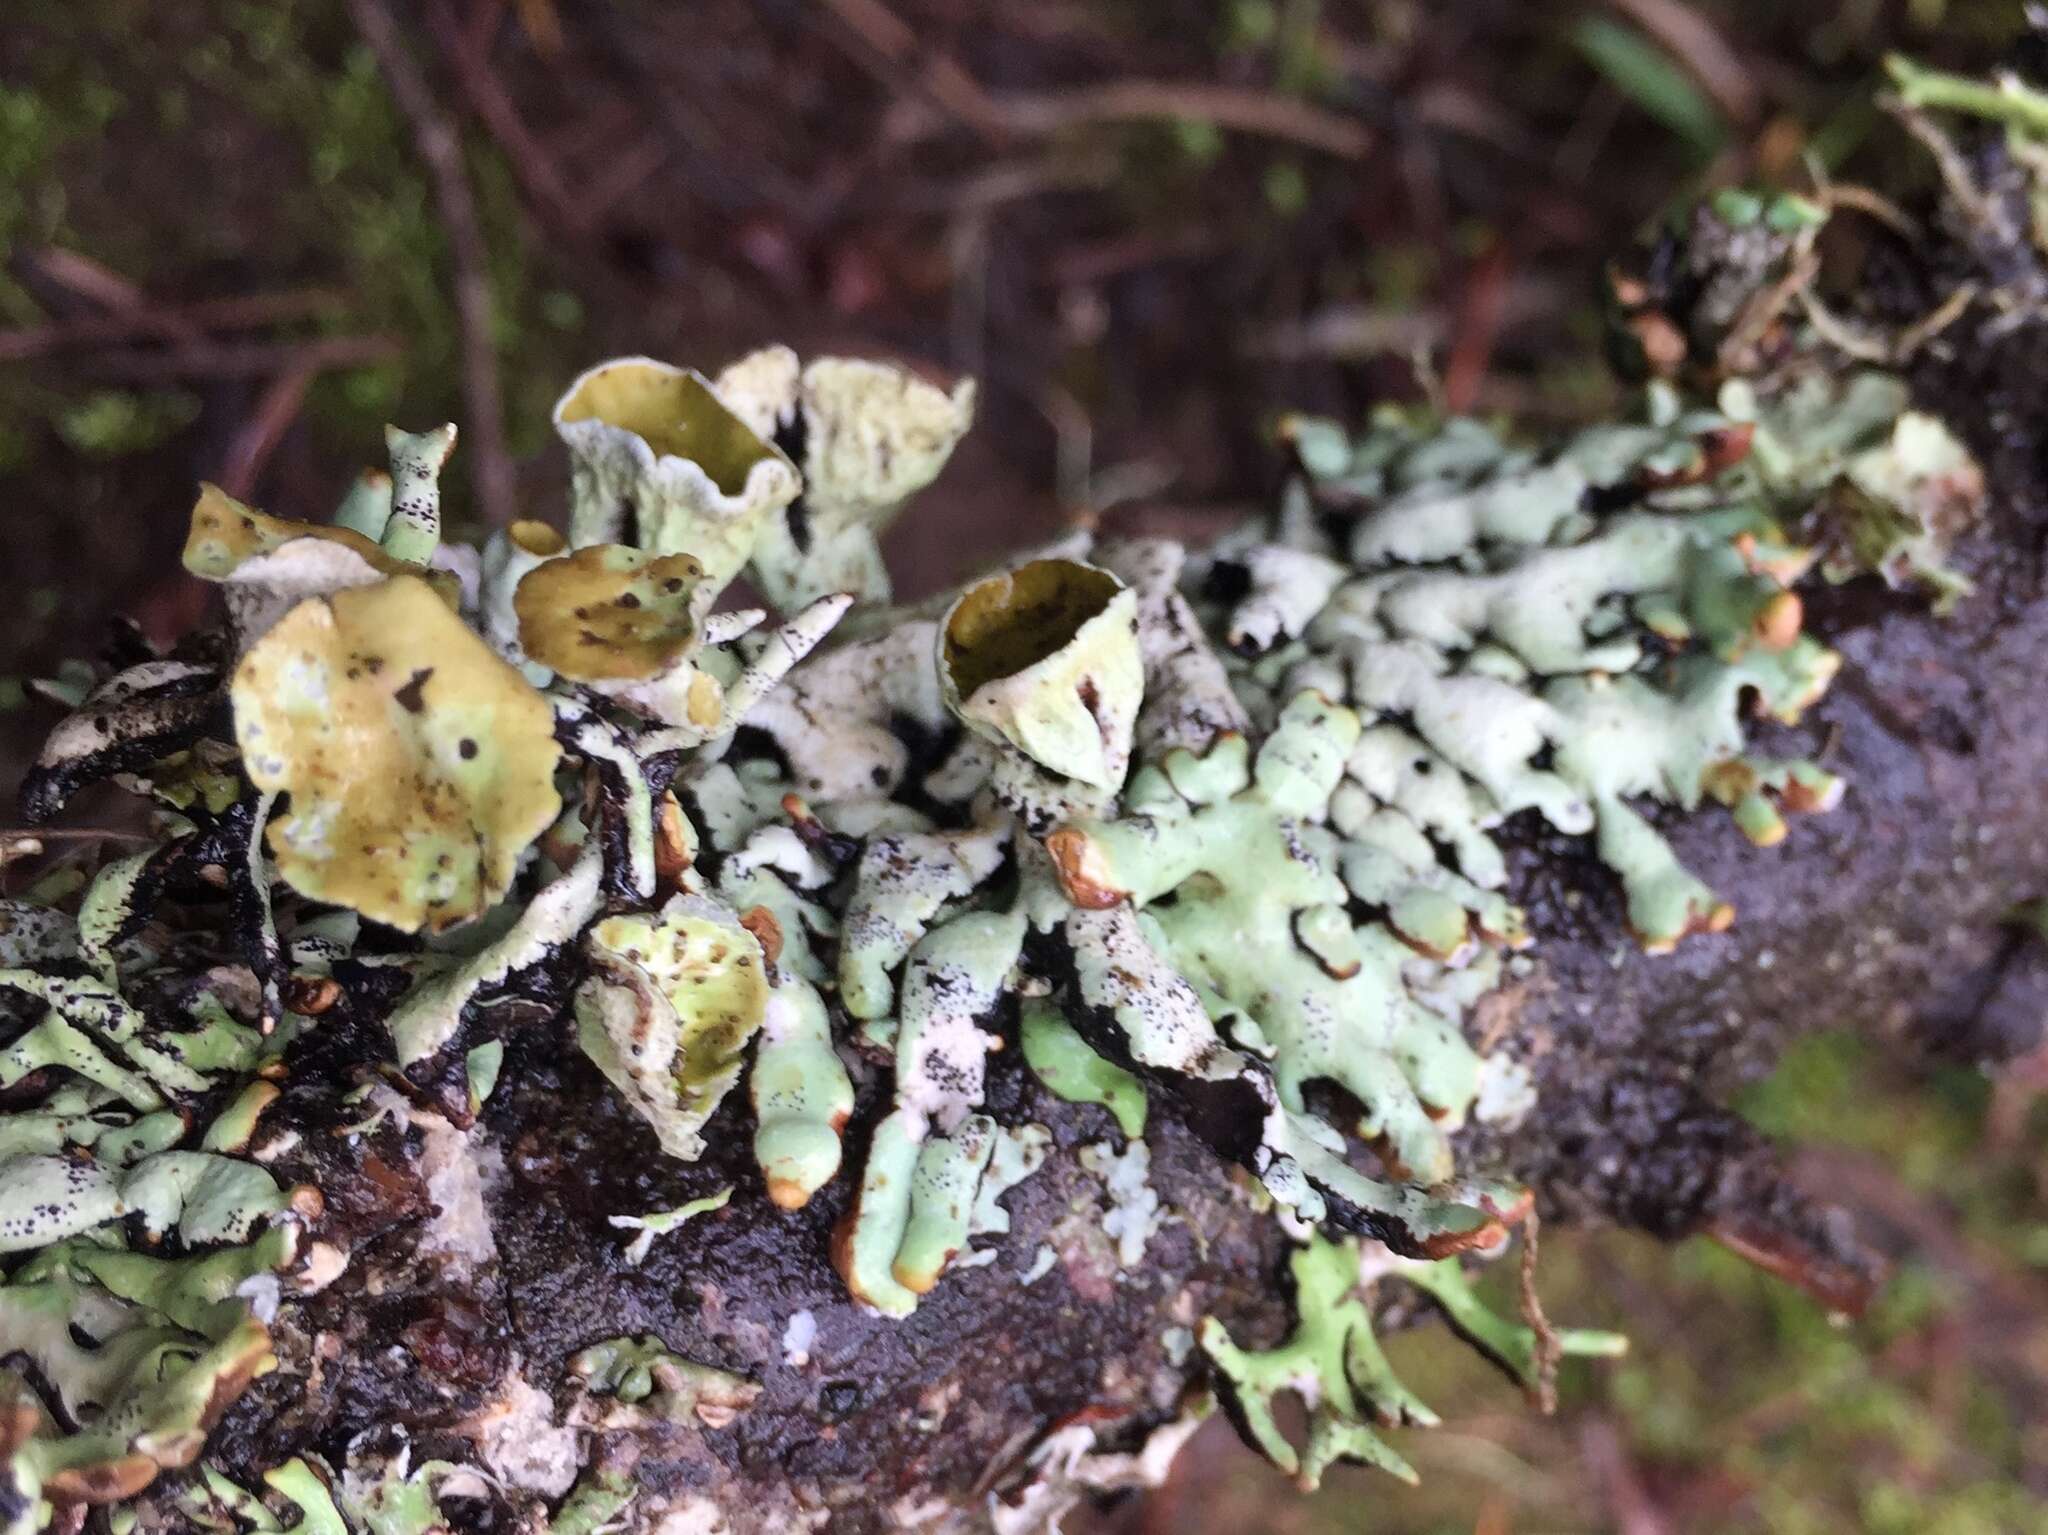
point(1629, 1505)
point(627, 173)
point(84, 277)
point(1841, 335)
point(949, 86)
point(17, 838)
point(1982, 211)
point(1701, 49)
point(20, 849)
point(442, 151)
point(242, 359)
point(1036, 114)
point(1935, 321)
point(1227, 106)
point(493, 105)
point(18, 846)
point(537, 19)
point(1763, 308)
point(1846, 194)
point(1476, 329)
point(259, 436)
point(1548, 1349)
point(248, 311)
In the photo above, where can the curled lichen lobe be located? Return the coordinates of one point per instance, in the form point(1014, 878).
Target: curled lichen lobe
point(420, 766)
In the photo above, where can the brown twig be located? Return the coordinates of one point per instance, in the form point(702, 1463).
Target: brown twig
point(248, 311)
point(1628, 1502)
point(1983, 212)
point(16, 837)
point(1935, 321)
point(1548, 1349)
point(1476, 328)
point(543, 28)
point(1786, 1252)
point(18, 847)
point(594, 130)
point(529, 159)
point(1841, 334)
point(941, 80)
point(259, 436)
point(84, 277)
point(627, 172)
point(670, 79)
point(1763, 309)
point(1348, 332)
point(1845, 194)
point(1037, 114)
point(243, 359)
point(439, 147)
point(1101, 260)
point(1001, 182)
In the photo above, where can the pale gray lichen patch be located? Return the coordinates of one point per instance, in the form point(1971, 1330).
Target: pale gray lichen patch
point(656, 1223)
point(802, 1094)
point(650, 1382)
point(1259, 921)
point(871, 435)
point(1334, 1364)
point(1134, 1211)
point(1501, 641)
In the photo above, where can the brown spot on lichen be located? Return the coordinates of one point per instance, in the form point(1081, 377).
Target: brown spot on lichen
point(310, 995)
point(1778, 622)
point(412, 696)
point(672, 850)
point(1080, 875)
point(760, 921)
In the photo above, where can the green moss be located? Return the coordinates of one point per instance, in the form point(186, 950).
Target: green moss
point(111, 422)
point(281, 87)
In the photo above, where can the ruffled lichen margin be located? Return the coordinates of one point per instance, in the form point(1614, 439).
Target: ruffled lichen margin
point(1211, 829)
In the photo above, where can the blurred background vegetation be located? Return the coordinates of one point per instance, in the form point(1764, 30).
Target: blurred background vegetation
point(239, 235)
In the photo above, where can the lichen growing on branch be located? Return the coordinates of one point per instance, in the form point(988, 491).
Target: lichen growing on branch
point(1215, 831)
